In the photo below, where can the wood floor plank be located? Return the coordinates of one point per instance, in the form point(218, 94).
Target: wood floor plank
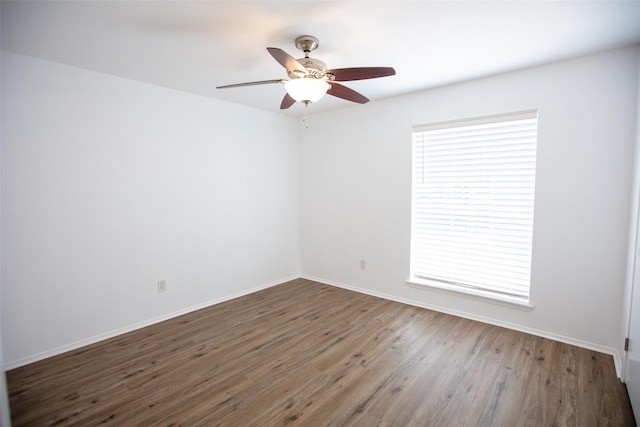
point(305, 353)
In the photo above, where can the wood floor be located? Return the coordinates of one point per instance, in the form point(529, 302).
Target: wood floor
point(304, 353)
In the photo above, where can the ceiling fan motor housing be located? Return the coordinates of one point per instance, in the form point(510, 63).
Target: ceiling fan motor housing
point(315, 68)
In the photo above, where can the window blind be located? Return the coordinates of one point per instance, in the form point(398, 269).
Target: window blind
point(473, 199)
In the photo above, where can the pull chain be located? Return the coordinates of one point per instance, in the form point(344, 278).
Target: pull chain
point(304, 118)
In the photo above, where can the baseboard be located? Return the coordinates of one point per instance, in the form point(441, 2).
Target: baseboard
point(101, 337)
point(544, 334)
point(114, 333)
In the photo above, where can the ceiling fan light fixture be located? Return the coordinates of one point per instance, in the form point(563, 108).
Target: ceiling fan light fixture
point(306, 89)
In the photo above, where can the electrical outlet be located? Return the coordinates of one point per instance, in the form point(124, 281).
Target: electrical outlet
point(363, 264)
point(162, 286)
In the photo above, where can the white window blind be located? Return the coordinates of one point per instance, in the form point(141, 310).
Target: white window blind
point(473, 194)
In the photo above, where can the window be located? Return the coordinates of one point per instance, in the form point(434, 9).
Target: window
point(472, 211)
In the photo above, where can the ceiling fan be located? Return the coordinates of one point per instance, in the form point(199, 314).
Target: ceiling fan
point(310, 79)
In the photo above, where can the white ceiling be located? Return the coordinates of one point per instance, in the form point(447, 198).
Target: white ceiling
point(195, 46)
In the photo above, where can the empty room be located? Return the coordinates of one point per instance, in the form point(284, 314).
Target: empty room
point(353, 213)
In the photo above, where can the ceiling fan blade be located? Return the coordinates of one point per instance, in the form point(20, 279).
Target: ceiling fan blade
point(360, 73)
point(262, 82)
point(345, 93)
point(286, 60)
point(287, 102)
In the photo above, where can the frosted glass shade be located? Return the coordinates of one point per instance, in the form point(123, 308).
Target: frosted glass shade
point(306, 89)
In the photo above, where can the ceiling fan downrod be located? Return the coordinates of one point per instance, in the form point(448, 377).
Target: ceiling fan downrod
point(315, 68)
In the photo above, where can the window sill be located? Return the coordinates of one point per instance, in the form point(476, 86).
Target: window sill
point(475, 293)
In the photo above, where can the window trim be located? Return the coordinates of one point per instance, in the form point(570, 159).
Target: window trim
point(485, 296)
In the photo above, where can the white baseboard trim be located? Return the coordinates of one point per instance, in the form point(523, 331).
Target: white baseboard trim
point(101, 337)
point(8, 365)
point(544, 334)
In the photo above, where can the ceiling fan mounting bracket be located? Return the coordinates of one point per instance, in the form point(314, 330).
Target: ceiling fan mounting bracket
point(307, 43)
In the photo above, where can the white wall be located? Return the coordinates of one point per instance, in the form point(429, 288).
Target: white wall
point(5, 416)
point(109, 185)
point(633, 240)
point(356, 179)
